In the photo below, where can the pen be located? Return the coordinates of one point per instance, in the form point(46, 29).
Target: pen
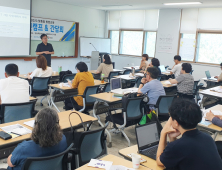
point(15, 134)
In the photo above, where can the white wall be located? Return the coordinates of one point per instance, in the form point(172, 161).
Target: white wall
point(91, 24)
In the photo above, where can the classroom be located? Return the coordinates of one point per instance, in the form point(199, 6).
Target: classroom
point(112, 85)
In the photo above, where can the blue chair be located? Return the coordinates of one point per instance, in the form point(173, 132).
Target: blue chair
point(191, 72)
point(39, 87)
point(131, 116)
point(68, 76)
point(112, 74)
point(88, 101)
point(138, 81)
point(59, 161)
point(16, 111)
point(127, 71)
point(107, 87)
point(89, 145)
point(162, 106)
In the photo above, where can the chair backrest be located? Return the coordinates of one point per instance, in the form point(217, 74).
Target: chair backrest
point(113, 63)
point(16, 111)
point(195, 88)
point(68, 76)
point(133, 108)
point(159, 78)
point(89, 91)
point(138, 81)
point(127, 71)
point(40, 83)
point(91, 145)
point(163, 104)
point(107, 87)
point(191, 72)
point(112, 74)
point(55, 162)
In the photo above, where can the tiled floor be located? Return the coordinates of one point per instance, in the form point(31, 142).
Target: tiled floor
point(118, 142)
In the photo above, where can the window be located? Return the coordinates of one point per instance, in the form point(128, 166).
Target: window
point(187, 46)
point(209, 48)
point(150, 43)
point(114, 36)
point(131, 42)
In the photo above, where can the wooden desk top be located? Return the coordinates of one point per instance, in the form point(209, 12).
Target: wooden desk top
point(63, 121)
point(214, 127)
point(57, 86)
point(94, 71)
point(151, 163)
point(166, 73)
point(167, 85)
point(108, 97)
point(116, 161)
point(136, 67)
point(210, 92)
point(25, 76)
point(32, 98)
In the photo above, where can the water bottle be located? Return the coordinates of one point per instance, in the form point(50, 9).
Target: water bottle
point(59, 69)
point(133, 71)
point(102, 78)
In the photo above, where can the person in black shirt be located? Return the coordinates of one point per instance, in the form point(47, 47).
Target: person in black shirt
point(194, 150)
point(45, 49)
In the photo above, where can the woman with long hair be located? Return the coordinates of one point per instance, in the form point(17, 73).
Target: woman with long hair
point(106, 67)
point(46, 139)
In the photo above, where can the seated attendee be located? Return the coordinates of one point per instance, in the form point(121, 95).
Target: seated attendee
point(219, 78)
point(46, 140)
point(144, 62)
point(42, 69)
point(155, 63)
point(195, 149)
point(151, 86)
point(215, 119)
point(13, 89)
point(82, 79)
point(185, 82)
point(177, 67)
point(106, 67)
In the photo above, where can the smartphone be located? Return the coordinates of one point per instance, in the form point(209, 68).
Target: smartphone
point(5, 135)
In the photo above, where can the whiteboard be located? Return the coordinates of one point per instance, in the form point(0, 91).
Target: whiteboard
point(101, 44)
point(187, 49)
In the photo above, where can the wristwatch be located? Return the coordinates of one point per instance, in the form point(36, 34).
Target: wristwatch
point(141, 83)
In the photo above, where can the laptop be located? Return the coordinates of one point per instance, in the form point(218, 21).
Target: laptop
point(148, 139)
point(209, 76)
point(163, 69)
point(116, 86)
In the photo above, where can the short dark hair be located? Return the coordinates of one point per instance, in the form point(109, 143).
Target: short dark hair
point(47, 131)
point(187, 67)
point(41, 62)
point(221, 64)
point(155, 62)
point(177, 57)
point(11, 69)
point(186, 113)
point(107, 59)
point(82, 67)
point(153, 71)
point(43, 35)
point(146, 56)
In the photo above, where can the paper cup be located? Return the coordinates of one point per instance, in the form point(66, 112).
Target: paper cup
point(136, 160)
point(54, 72)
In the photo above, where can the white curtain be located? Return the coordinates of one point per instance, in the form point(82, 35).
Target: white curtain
point(114, 20)
point(151, 20)
point(189, 21)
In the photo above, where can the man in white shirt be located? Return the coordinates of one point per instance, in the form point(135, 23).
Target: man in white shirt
point(13, 89)
point(177, 67)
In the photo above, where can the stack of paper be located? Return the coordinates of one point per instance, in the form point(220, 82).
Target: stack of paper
point(30, 123)
point(16, 129)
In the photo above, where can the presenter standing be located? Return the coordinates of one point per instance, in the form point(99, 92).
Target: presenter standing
point(45, 49)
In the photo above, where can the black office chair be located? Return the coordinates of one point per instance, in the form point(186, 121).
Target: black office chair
point(138, 81)
point(39, 87)
point(59, 161)
point(89, 145)
point(68, 76)
point(162, 107)
point(127, 71)
point(16, 111)
point(112, 74)
point(131, 116)
point(107, 87)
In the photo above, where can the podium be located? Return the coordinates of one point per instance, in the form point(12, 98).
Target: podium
point(94, 62)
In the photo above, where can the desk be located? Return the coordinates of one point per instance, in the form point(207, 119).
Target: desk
point(167, 85)
point(32, 98)
point(107, 97)
point(128, 77)
point(60, 93)
point(116, 161)
point(7, 146)
point(151, 163)
point(130, 68)
point(206, 79)
point(25, 76)
point(213, 128)
point(94, 71)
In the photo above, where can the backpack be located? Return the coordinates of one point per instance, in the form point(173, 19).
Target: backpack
point(63, 73)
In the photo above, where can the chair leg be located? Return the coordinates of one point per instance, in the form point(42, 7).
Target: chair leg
point(77, 161)
point(52, 103)
point(125, 137)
